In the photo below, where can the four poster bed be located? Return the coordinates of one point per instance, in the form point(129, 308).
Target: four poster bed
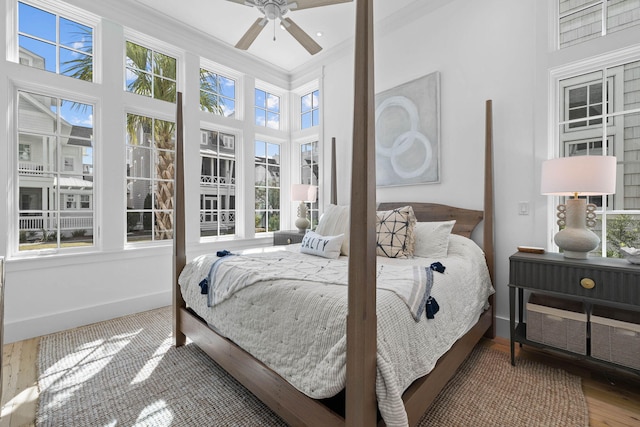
point(248, 335)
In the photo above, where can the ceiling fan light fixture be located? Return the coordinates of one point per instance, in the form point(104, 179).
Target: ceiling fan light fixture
point(272, 11)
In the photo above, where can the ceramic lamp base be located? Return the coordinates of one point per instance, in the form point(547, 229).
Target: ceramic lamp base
point(576, 240)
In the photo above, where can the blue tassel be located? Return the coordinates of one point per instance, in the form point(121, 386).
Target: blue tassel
point(204, 286)
point(437, 266)
point(432, 308)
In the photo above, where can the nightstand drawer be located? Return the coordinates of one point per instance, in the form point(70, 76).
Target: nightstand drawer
point(604, 279)
point(287, 237)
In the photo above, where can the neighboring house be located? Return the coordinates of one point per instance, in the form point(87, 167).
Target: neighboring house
point(217, 183)
point(56, 187)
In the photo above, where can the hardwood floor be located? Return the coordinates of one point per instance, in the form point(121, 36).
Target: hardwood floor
point(613, 397)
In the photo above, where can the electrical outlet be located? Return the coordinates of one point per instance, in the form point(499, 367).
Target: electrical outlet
point(523, 208)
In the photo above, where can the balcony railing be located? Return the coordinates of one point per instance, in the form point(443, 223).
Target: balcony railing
point(209, 220)
point(49, 222)
point(30, 168)
point(213, 180)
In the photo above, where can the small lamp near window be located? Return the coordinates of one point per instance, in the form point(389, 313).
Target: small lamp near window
point(303, 193)
point(578, 176)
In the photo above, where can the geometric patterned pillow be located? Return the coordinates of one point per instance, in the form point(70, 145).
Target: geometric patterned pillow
point(394, 232)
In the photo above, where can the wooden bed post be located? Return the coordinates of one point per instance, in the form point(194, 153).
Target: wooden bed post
point(179, 252)
point(334, 180)
point(488, 237)
point(361, 318)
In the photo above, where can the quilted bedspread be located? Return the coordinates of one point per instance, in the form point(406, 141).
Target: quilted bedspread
point(297, 328)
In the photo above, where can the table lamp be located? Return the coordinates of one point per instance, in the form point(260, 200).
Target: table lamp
point(578, 176)
point(303, 193)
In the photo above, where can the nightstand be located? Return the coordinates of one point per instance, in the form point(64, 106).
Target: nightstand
point(610, 283)
point(287, 237)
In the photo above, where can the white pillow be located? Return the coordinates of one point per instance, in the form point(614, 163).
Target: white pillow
point(335, 221)
point(324, 246)
point(432, 238)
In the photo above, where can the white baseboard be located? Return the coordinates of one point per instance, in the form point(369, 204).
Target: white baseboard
point(502, 327)
point(37, 326)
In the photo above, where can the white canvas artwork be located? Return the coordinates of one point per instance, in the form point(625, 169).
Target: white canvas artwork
point(408, 133)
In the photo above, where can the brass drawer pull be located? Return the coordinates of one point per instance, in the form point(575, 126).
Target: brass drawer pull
point(587, 283)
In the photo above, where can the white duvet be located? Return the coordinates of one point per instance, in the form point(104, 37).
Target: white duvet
point(298, 328)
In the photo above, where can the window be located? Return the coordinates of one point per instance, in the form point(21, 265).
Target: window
point(54, 43)
point(582, 20)
point(586, 128)
point(217, 184)
point(150, 73)
point(71, 201)
point(150, 178)
point(85, 201)
point(267, 186)
point(24, 152)
point(68, 164)
point(52, 131)
point(309, 175)
point(310, 110)
point(267, 109)
point(217, 93)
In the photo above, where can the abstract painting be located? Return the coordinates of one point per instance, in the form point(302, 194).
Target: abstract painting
point(408, 133)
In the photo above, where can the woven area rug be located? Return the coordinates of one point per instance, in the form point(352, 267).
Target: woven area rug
point(124, 372)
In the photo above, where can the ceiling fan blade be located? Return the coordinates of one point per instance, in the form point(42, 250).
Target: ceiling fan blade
point(251, 3)
point(303, 38)
point(252, 33)
point(307, 4)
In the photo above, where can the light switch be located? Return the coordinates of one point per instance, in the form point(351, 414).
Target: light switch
point(523, 208)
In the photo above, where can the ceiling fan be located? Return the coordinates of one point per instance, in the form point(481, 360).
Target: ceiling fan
point(273, 9)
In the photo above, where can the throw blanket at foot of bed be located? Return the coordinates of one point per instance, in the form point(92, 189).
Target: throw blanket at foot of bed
point(233, 273)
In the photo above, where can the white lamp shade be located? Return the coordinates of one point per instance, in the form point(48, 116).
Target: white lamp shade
point(303, 192)
point(584, 175)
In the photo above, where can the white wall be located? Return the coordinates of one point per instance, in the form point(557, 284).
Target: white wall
point(483, 50)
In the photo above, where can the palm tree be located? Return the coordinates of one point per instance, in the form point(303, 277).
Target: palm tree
point(152, 74)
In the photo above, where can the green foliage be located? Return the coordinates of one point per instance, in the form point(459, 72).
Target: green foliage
point(147, 216)
point(49, 236)
point(79, 233)
point(209, 84)
point(132, 220)
point(81, 67)
point(274, 221)
point(622, 230)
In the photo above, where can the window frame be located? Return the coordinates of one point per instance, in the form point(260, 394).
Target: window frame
point(237, 185)
point(281, 183)
point(610, 65)
point(220, 95)
point(313, 207)
point(66, 11)
point(604, 17)
point(153, 179)
point(283, 106)
point(14, 191)
point(311, 110)
point(155, 45)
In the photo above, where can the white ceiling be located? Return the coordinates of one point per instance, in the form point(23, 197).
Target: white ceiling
point(227, 21)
